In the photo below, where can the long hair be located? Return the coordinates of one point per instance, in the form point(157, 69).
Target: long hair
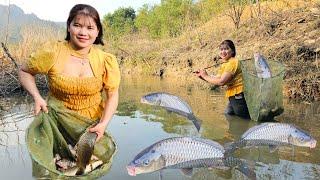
point(86, 10)
point(230, 44)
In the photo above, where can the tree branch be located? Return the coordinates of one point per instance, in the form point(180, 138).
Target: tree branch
point(9, 55)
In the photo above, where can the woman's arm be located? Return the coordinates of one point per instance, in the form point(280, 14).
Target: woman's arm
point(111, 105)
point(27, 80)
point(216, 80)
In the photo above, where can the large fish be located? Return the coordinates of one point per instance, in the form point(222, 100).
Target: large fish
point(84, 150)
point(183, 153)
point(171, 103)
point(273, 135)
point(262, 67)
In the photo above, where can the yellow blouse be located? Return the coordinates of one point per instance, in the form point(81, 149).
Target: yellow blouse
point(83, 95)
point(235, 86)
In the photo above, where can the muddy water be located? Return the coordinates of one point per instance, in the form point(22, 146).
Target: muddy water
point(136, 126)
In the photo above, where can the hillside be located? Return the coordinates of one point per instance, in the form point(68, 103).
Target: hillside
point(286, 31)
point(18, 21)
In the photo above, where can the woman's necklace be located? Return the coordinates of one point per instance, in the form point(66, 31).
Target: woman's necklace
point(83, 61)
point(82, 57)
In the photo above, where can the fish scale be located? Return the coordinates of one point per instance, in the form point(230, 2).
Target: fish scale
point(84, 150)
point(173, 104)
point(186, 150)
point(273, 134)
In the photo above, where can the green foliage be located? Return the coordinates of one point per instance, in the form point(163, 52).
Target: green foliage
point(209, 8)
point(119, 23)
point(167, 19)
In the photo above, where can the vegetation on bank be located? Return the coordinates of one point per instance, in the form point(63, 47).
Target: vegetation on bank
point(176, 37)
point(173, 42)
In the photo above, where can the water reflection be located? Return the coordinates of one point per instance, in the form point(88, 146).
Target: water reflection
point(136, 126)
point(13, 152)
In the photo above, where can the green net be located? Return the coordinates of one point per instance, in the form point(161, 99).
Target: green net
point(263, 96)
point(50, 134)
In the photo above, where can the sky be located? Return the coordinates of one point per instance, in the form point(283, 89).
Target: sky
point(58, 10)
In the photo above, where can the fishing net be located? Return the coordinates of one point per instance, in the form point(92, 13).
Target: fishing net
point(50, 134)
point(263, 95)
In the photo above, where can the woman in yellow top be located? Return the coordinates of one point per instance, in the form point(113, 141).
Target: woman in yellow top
point(229, 74)
point(78, 72)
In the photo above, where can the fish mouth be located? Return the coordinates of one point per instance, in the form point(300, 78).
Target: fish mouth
point(144, 101)
point(131, 170)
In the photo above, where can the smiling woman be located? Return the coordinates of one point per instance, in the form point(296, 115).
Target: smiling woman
point(78, 73)
point(229, 74)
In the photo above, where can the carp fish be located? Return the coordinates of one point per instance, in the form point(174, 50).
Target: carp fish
point(172, 103)
point(184, 153)
point(273, 135)
point(261, 65)
point(84, 150)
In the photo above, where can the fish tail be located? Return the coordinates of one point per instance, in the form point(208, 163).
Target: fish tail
point(230, 147)
point(244, 166)
point(196, 122)
point(247, 168)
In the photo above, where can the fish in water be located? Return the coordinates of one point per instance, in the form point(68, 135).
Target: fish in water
point(183, 153)
point(171, 103)
point(272, 135)
point(84, 150)
point(70, 168)
point(90, 167)
point(262, 67)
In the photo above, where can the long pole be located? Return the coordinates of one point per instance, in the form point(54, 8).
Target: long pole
point(208, 67)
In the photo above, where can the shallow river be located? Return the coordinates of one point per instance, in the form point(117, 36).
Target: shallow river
point(136, 126)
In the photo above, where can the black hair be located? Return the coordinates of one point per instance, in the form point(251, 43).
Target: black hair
point(230, 44)
point(86, 10)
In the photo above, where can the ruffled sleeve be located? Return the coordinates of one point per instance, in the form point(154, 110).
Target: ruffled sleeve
point(111, 78)
point(231, 66)
point(41, 61)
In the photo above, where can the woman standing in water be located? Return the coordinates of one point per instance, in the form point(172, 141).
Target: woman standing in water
point(79, 73)
point(229, 74)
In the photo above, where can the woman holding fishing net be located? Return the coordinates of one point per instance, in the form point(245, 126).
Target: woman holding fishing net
point(229, 74)
point(83, 91)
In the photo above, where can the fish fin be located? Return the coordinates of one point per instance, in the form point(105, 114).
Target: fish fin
point(80, 171)
point(272, 148)
point(168, 110)
point(196, 122)
point(229, 147)
point(160, 175)
point(221, 167)
point(247, 168)
point(187, 171)
point(292, 152)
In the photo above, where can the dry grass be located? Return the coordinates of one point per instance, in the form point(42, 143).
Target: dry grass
point(285, 30)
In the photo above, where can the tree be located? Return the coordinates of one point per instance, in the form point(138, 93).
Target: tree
point(120, 22)
point(236, 10)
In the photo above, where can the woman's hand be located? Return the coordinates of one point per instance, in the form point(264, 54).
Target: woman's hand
point(201, 73)
point(40, 105)
point(99, 130)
